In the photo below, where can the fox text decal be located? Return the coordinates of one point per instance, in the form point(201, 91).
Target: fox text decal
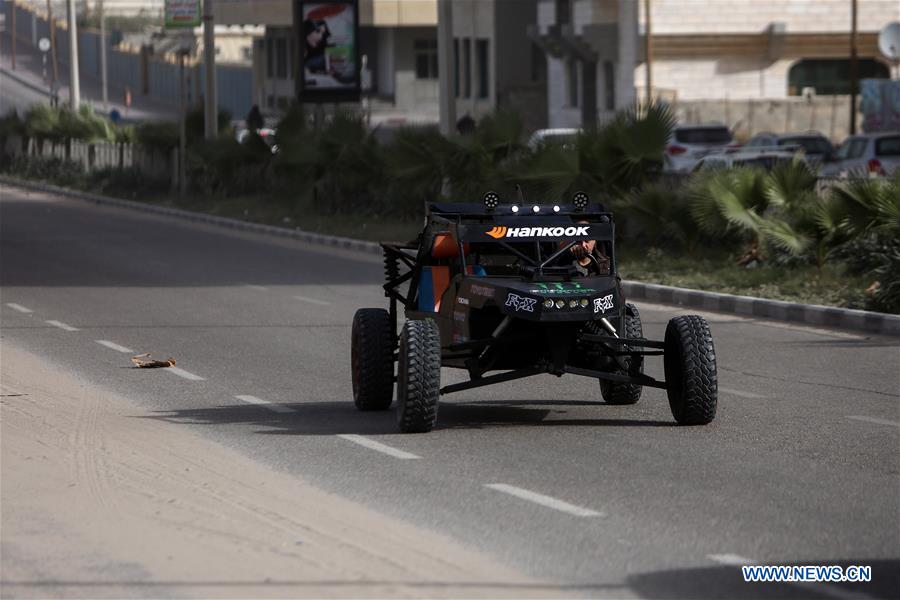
point(521, 303)
point(603, 304)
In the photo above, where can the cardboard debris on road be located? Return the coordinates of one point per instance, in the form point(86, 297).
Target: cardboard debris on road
point(143, 361)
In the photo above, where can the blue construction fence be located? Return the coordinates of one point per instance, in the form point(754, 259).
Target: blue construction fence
point(234, 83)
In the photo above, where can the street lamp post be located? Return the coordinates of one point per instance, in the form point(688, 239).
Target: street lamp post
point(211, 121)
point(74, 87)
point(854, 67)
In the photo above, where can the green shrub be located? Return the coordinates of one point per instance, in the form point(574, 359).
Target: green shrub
point(161, 136)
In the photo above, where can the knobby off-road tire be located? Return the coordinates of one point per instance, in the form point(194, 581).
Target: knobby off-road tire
point(626, 393)
point(418, 376)
point(690, 365)
point(372, 359)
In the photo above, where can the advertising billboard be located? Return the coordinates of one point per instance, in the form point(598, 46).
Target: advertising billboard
point(328, 49)
point(182, 13)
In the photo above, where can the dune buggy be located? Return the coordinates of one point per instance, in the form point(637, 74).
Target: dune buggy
point(493, 289)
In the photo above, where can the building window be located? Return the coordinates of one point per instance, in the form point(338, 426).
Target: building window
point(572, 77)
point(426, 59)
point(270, 58)
point(538, 64)
point(281, 58)
point(467, 68)
point(831, 75)
point(247, 53)
point(609, 85)
point(481, 55)
point(563, 12)
point(456, 89)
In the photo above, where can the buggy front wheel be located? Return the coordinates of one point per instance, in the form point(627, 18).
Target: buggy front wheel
point(372, 359)
point(418, 376)
point(690, 366)
point(616, 392)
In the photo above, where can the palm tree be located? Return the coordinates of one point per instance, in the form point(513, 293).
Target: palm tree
point(608, 161)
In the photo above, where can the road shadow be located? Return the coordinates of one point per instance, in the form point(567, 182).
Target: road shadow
point(332, 418)
point(727, 582)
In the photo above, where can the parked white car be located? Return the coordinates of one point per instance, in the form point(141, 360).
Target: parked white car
point(867, 154)
point(558, 135)
point(689, 143)
point(815, 147)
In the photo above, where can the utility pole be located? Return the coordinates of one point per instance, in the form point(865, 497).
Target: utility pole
point(12, 34)
point(182, 127)
point(74, 88)
point(211, 109)
point(103, 81)
point(854, 68)
point(648, 53)
point(446, 67)
point(54, 54)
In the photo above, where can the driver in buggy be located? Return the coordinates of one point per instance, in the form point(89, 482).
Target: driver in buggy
point(589, 257)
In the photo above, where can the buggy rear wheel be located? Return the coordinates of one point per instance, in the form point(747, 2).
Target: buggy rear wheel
point(615, 392)
point(372, 359)
point(690, 365)
point(418, 376)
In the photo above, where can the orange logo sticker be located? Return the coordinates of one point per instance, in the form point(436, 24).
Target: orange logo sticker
point(497, 232)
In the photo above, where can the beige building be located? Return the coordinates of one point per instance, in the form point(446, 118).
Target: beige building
point(397, 37)
point(706, 50)
point(495, 63)
point(739, 49)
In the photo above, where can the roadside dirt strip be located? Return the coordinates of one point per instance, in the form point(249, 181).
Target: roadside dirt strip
point(99, 500)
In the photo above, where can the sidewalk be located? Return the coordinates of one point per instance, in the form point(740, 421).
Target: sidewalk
point(29, 74)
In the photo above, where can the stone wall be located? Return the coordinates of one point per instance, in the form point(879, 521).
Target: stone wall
point(829, 115)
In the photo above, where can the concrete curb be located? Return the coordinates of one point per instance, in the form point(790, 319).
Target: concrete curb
point(777, 310)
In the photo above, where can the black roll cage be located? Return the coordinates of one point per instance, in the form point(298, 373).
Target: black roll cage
point(412, 254)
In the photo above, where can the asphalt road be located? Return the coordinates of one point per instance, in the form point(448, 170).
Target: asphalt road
point(801, 465)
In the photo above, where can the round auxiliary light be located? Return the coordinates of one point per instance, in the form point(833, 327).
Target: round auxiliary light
point(580, 200)
point(548, 303)
point(573, 303)
point(560, 303)
point(556, 208)
point(583, 302)
point(491, 200)
point(515, 208)
point(536, 208)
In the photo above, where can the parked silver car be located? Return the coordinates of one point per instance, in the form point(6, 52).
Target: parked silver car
point(689, 143)
point(867, 154)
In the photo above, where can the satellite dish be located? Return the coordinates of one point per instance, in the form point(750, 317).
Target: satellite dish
point(889, 41)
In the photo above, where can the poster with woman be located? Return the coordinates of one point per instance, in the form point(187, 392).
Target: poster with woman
point(328, 48)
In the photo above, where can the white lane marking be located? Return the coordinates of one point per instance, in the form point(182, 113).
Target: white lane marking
point(873, 420)
point(115, 346)
point(739, 393)
point(19, 307)
point(825, 589)
point(312, 300)
point(543, 500)
point(265, 403)
point(183, 373)
point(62, 325)
point(258, 288)
point(377, 446)
point(735, 560)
